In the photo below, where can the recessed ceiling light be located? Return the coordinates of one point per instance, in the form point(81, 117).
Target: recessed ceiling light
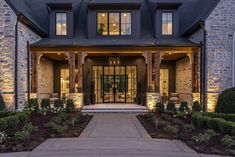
point(124, 15)
point(103, 14)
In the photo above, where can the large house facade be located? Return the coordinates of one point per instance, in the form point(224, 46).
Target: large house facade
point(120, 51)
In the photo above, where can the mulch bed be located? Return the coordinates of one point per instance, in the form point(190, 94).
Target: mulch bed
point(213, 146)
point(43, 133)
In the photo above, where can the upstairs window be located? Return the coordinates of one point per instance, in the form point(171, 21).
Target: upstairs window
point(167, 23)
point(61, 24)
point(114, 23)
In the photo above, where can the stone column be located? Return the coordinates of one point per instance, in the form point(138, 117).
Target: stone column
point(80, 75)
point(157, 62)
point(71, 60)
point(149, 71)
point(35, 57)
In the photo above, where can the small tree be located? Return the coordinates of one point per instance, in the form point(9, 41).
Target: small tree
point(2, 104)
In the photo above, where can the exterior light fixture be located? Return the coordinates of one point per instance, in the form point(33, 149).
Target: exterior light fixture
point(124, 15)
point(114, 61)
point(58, 53)
point(103, 15)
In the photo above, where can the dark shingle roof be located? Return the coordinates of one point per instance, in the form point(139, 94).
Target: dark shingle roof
point(191, 11)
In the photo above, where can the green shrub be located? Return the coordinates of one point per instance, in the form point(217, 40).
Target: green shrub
point(12, 121)
point(196, 106)
point(162, 123)
point(45, 103)
point(70, 106)
point(23, 117)
point(171, 129)
point(55, 127)
point(160, 107)
point(184, 106)
point(56, 120)
point(59, 103)
point(182, 115)
point(188, 127)
point(3, 124)
point(202, 121)
point(226, 101)
point(228, 141)
point(228, 117)
point(63, 115)
point(226, 127)
point(30, 128)
point(22, 135)
point(171, 107)
point(2, 104)
point(213, 123)
point(33, 103)
point(205, 137)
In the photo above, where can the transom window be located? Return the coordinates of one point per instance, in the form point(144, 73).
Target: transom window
point(61, 23)
point(114, 23)
point(167, 23)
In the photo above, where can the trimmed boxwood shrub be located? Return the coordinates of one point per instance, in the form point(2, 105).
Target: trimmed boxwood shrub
point(184, 106)
point(226, 101)
point(59, 103)
point(160, 107)
point(3, 124)
point(70, 106)
point(171, 107)
point(33, 103)
point(12, 121)
point(2, 104)
point(213, 123)
point(45, 103)
point(23, 117)
point(228, 117)
point(196, 106)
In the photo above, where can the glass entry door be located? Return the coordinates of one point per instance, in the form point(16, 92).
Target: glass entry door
point(114, 84)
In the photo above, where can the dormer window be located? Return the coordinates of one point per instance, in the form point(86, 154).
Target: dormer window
point(167, 23)
point(61, 24)
point(114, 23)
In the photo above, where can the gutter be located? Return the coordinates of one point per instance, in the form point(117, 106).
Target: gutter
point(233, 60)
point(203, 94)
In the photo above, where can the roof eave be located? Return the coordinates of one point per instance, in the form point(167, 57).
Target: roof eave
point(193, 28)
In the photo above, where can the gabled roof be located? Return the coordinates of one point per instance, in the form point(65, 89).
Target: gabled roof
point(190, 11)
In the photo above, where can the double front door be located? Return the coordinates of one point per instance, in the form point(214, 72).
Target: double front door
point(115, 84)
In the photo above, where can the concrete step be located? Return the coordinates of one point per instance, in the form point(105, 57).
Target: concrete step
point(116, 110)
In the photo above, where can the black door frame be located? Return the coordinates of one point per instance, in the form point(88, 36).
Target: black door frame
point(114, 77)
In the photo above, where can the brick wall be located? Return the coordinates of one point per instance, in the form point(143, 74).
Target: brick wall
point(184, 80)
point(24, 35)
point(7, 53)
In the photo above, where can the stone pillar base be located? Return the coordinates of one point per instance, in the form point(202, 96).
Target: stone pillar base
point(212, 99)
point(9, 100)
point(77, 99)
point(151, 101)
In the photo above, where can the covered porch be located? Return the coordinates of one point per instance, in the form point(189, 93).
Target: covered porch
point(160, 75)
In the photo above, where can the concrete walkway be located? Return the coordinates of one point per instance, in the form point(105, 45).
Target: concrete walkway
point(111, 135)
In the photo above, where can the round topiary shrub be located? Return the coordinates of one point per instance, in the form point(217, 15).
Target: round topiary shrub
point(226, 101)
point(184, 106)
point(45, 103)
point(2, 104)
point(59, 103)
point(171, 107)
point(196, 106)
point(160, 107)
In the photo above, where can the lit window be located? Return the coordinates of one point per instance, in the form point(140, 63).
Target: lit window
point(102, 23)
point(61, 23)
point(167, 23)
point(126, 24)
point(114, 23)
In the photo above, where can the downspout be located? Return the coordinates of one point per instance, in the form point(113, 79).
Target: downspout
point(16, 63)
point(28, 72)
point(233, 60)
point(203, 94)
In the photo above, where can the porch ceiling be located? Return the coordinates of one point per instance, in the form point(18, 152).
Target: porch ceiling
point(173, 56)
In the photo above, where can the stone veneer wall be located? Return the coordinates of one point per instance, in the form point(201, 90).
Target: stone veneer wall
point(7, 56)
point(24, 35)
point(220, 27)
point(184, 80)
point(7, 53)
point(45, 78)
